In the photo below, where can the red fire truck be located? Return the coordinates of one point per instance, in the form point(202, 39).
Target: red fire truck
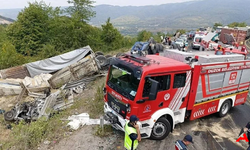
point(163, 92)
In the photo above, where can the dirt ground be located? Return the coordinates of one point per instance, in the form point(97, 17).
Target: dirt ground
point(85, 139)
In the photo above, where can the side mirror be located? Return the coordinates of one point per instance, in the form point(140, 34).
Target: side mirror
point(153, 89)
point(140, 101)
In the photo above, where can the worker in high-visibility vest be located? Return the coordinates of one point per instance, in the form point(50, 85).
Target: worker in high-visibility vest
point(124, 72)
point(132, 133)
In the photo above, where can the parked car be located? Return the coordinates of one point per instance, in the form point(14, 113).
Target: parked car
point(180, 42)
point(184, 37)
point(191, 34)
point(197, 40)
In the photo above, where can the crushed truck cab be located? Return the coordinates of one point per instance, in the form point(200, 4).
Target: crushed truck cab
point(163, 92)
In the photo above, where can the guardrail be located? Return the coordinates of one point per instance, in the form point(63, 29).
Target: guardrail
point(213, 143)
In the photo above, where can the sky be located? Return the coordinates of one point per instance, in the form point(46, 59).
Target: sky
point(8, 4)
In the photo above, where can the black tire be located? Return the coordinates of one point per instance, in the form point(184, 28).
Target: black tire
point(178, 47)
point(161, 48)
point(153, 48)
point(119, 54)
point(224, 109)
point(108, 56)
point(9, 115)
point(98, 53)
point(109, 60)
point(157, 47)
point(161, 129)
point(102, 60)
point(145, 52)
point(174, 46)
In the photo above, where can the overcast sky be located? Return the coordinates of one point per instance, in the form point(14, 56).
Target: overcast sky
point(7, 4)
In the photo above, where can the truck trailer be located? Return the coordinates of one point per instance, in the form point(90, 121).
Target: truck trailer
point(163, 92)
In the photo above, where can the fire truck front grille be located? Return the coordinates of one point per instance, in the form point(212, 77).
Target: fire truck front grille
point(117, 106)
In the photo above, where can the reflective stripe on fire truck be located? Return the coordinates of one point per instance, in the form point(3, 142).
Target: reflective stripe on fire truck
point(212, 109)
point(208, 109)
point(199, 113)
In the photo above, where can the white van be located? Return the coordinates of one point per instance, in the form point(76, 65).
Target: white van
point(197, 40)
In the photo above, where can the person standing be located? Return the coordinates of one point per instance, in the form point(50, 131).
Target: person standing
point(182, 145)
point(247, 129)
point(132, 133)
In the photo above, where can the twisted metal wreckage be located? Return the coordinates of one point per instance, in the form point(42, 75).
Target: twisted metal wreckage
point(70, 74)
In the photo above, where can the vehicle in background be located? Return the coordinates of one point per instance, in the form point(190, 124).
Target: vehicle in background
point(180, 42)
point(184, 37)
point(191, 34)
point(140, 48)
point(209, 41)
point(218, 29)
point(202, 29)
point(233, 35)
point(144, 48)
point(197, 40)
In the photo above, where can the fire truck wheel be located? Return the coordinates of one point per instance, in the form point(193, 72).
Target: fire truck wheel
point(161, 129)
point(225, 107)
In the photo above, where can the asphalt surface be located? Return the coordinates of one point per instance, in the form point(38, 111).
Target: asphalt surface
point(209, 133)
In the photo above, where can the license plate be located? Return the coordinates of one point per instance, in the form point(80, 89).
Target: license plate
point(115, 107)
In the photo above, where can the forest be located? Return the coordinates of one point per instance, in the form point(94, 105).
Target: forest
point(42, 31)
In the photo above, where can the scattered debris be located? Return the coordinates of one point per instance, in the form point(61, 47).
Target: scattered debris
point(82, 119)
point(44, 104)
point(46, 142)
point(8, 126)
point(2, 111)
point(71, 72)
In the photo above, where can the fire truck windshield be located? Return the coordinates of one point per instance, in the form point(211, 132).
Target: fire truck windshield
point(123, 82)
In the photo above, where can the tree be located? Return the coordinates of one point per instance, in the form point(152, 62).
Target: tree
point(81, 9)
point(9, 57)
point(3, 36)
point(237, 24)
point(110, 35)
point(182, 31)
point(144, 35)
point(29, 32)
point(216, 25)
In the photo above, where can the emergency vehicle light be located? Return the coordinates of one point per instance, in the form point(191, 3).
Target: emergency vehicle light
point(139, 59)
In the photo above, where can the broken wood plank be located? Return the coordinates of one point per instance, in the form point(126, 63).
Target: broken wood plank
point(24, 91)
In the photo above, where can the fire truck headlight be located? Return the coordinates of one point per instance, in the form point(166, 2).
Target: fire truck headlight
point(104, 91)
point(128, 108)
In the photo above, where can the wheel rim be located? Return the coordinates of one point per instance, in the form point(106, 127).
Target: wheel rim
point(9, 115)
point(159, 129)
point(225, 108)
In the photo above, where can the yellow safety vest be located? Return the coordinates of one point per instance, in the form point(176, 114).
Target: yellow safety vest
point(124, 72)
point(128, 141)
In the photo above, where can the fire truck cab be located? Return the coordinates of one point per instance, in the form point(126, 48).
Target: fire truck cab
point(163, 92)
